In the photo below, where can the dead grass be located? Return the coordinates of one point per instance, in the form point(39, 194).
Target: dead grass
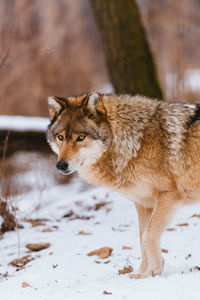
point(7, 213)
point(9, 223)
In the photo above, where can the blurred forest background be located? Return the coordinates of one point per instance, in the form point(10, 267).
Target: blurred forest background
point(54, 48)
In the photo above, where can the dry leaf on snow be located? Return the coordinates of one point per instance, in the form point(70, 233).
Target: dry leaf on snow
point(20, 262)
point(25, 284)
point(125, 270)
point(54, 266)
point(102, 253)
point(5, 275)
point(171, 229)
point(38, 247)
point(69, 214)
point(72, 216)
point(48, 229)
point(164, 251)
point(107, 293)
point(83, 233)
point(127, 248)
point(183, 224)
point(100, 205)
point(36, 222)
point(195, 216)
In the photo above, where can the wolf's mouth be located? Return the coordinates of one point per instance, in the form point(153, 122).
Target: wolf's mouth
point(67, 172)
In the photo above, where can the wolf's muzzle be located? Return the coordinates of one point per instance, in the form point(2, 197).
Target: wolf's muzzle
point(62, 166)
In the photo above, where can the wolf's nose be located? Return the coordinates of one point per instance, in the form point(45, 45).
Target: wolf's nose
point(62, 166)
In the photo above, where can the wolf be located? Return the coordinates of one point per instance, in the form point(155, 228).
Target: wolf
point(145, 149)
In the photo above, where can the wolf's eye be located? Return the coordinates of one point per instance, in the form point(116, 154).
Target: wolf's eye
point(60, 137)
point(80, 138)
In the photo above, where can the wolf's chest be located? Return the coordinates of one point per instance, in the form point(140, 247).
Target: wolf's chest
point(141, 193)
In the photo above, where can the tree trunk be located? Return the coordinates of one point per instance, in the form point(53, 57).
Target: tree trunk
point(128, 56)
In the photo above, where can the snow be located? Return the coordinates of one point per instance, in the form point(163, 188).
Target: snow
point(76, 275)
point(21, 123)
point(107, 88)
point(190, 81)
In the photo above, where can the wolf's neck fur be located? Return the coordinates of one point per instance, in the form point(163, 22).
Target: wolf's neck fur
point(128, 120)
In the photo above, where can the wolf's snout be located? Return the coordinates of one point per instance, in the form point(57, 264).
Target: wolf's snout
point(62, 166)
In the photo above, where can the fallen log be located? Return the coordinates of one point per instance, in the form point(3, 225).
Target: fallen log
point(23, 141)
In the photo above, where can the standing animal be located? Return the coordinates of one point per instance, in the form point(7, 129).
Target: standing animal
point(146, 150)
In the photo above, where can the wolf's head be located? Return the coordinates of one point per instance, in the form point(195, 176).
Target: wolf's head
point(79, 131)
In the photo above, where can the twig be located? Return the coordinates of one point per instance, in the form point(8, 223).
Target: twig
point(3, 60)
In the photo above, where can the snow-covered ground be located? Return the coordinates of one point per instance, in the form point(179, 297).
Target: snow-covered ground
point(22, 123)
point(65, 271)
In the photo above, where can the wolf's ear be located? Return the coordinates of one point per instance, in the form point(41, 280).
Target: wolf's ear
point(95, 104)
point(92, 101)
point(56, 104)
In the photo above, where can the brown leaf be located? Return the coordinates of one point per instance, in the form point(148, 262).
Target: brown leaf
point(54, 266)
point(77, 217)
point(79, 203)
point(5, 275)
point(188, 256)
point(36, 222)
point(195, 216)
point(69, 214)
point(197, 268)
point(20, 262)
point(102, 253)
point(127, 248)
point(100, 205)
point(97, 262)
point(48, 229)
point(38, 247)
point(72, 216)
point(171, 229)
point(183, 224)
point(25, 284)
point(106, 262)
point(164, 251)
point(83, 233)
point(107, 293)
point(125, 270)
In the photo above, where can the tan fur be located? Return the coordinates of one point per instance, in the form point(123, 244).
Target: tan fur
point(144, 149)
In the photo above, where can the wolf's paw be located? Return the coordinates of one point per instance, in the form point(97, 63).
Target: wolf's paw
point(135, 276)
point(145, 275)
point(148, 273)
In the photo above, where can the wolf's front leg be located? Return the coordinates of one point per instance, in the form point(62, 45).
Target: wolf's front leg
point(144, 215)
point(160, 218)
